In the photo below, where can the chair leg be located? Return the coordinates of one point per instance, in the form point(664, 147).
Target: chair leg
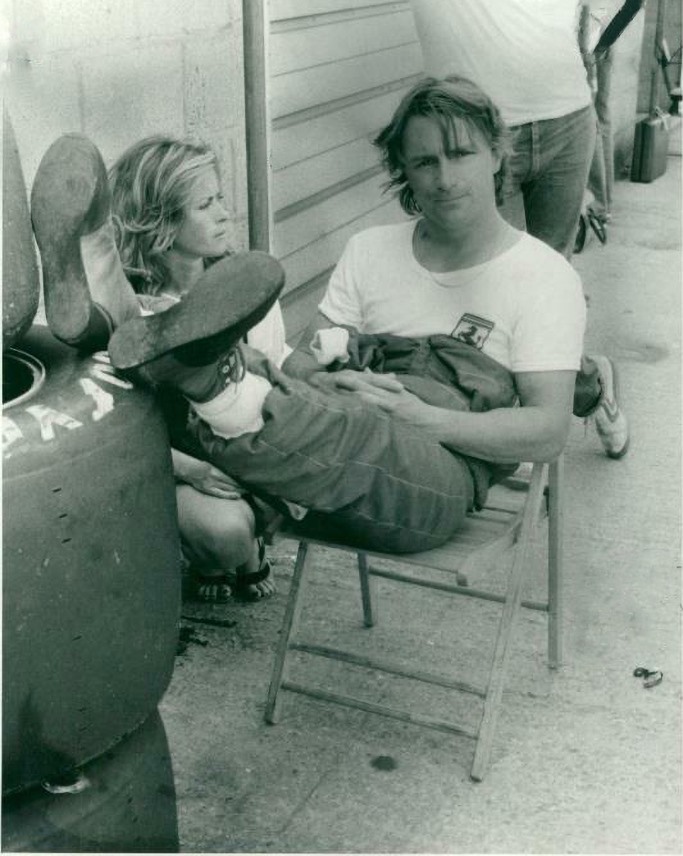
point(555, 527)
point(289, 625)
point(511, 607)
point(365, 589)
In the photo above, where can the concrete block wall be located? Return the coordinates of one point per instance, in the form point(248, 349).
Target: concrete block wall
point(119, 71)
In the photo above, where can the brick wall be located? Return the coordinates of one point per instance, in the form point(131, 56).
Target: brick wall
point(118, 71)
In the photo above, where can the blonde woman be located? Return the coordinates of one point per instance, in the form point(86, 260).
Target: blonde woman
point(168, 224)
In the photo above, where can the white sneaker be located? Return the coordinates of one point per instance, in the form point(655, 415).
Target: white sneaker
point(521, 478)
point(610, 422)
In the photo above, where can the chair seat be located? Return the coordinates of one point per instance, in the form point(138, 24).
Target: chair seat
point(486, 533)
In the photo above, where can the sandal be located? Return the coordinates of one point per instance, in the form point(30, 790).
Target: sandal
point(243, 583)
point(212, 588)
point(597, 223)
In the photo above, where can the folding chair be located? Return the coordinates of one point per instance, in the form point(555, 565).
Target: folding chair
point(507, 521)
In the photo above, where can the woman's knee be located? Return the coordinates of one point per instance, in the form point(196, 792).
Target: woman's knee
point(217, 531)
point(233, 528)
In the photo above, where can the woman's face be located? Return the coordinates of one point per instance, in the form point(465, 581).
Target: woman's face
point(203, 232)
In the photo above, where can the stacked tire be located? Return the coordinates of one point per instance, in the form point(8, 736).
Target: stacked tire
point(91, 583)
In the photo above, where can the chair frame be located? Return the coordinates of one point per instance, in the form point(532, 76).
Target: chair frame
point(486, 537)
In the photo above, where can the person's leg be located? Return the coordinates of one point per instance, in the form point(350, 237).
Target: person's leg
point(392, 487)
point(202, 329)
point(597, 180)
point(219, 541)
point(553, 194)
point(596, 394)
point(86, 292)
point(601, 177)
point(371, 481)
point(518, 171)
point(602, 108)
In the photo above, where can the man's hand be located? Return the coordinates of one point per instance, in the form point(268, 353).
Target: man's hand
point(351, 380)
point(388, 393)
point(366, 381)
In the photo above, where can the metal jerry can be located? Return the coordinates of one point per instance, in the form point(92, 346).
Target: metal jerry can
point(650, 148)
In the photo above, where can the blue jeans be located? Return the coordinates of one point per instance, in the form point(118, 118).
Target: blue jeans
point(368, 479)
point(547, 175)
point(601, 178)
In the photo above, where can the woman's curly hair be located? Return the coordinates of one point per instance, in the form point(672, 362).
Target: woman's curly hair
point(150, 184)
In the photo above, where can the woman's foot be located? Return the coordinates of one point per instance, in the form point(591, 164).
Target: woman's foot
point(244, 584)
point(212, 588)
point(256, 591)
point(255, 584)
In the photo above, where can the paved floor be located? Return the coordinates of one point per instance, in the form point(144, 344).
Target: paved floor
point(585, 760)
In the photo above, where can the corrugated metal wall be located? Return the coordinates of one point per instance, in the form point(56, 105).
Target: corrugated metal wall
point(337, 69)
point(673, 33)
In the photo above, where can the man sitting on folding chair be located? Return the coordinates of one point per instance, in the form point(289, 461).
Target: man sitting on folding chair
point(457, 273)
point(465, 313)
point(461, 316)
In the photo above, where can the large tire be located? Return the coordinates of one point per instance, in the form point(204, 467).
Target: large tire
point(127, 804)
point(91, 576)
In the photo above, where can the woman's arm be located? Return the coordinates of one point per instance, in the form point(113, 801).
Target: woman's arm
point(536, 431)
point(203, 476)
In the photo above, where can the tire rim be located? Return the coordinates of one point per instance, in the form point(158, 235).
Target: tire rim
point(33, 370)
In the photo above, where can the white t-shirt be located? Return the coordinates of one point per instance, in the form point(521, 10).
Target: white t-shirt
point(524, 308)
point(523, 53)
point(268, 336)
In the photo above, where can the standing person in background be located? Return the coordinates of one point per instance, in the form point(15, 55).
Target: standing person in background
point(599, 71)
point(525, 55)
point(601, 24)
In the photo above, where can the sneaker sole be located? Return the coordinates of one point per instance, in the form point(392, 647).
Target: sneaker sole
point(70, 198)
point(615, 456)
point(615, 388)
point(231, 297)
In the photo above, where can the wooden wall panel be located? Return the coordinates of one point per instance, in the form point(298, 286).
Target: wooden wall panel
point(286, 10)
point(321, 84)
point(297, 49)
point(300, 305)
point(313, 176)
point(306, 263)
point(335, 211)
point(337, 69)
point(358, 117)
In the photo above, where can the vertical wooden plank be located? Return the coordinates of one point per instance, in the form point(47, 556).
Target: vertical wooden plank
point(365, 589)
point(555, 527)
point(255, 30)
point(501, 655)
point(289, 626)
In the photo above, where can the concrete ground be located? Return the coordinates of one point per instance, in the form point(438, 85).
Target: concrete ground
point(585, 760)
